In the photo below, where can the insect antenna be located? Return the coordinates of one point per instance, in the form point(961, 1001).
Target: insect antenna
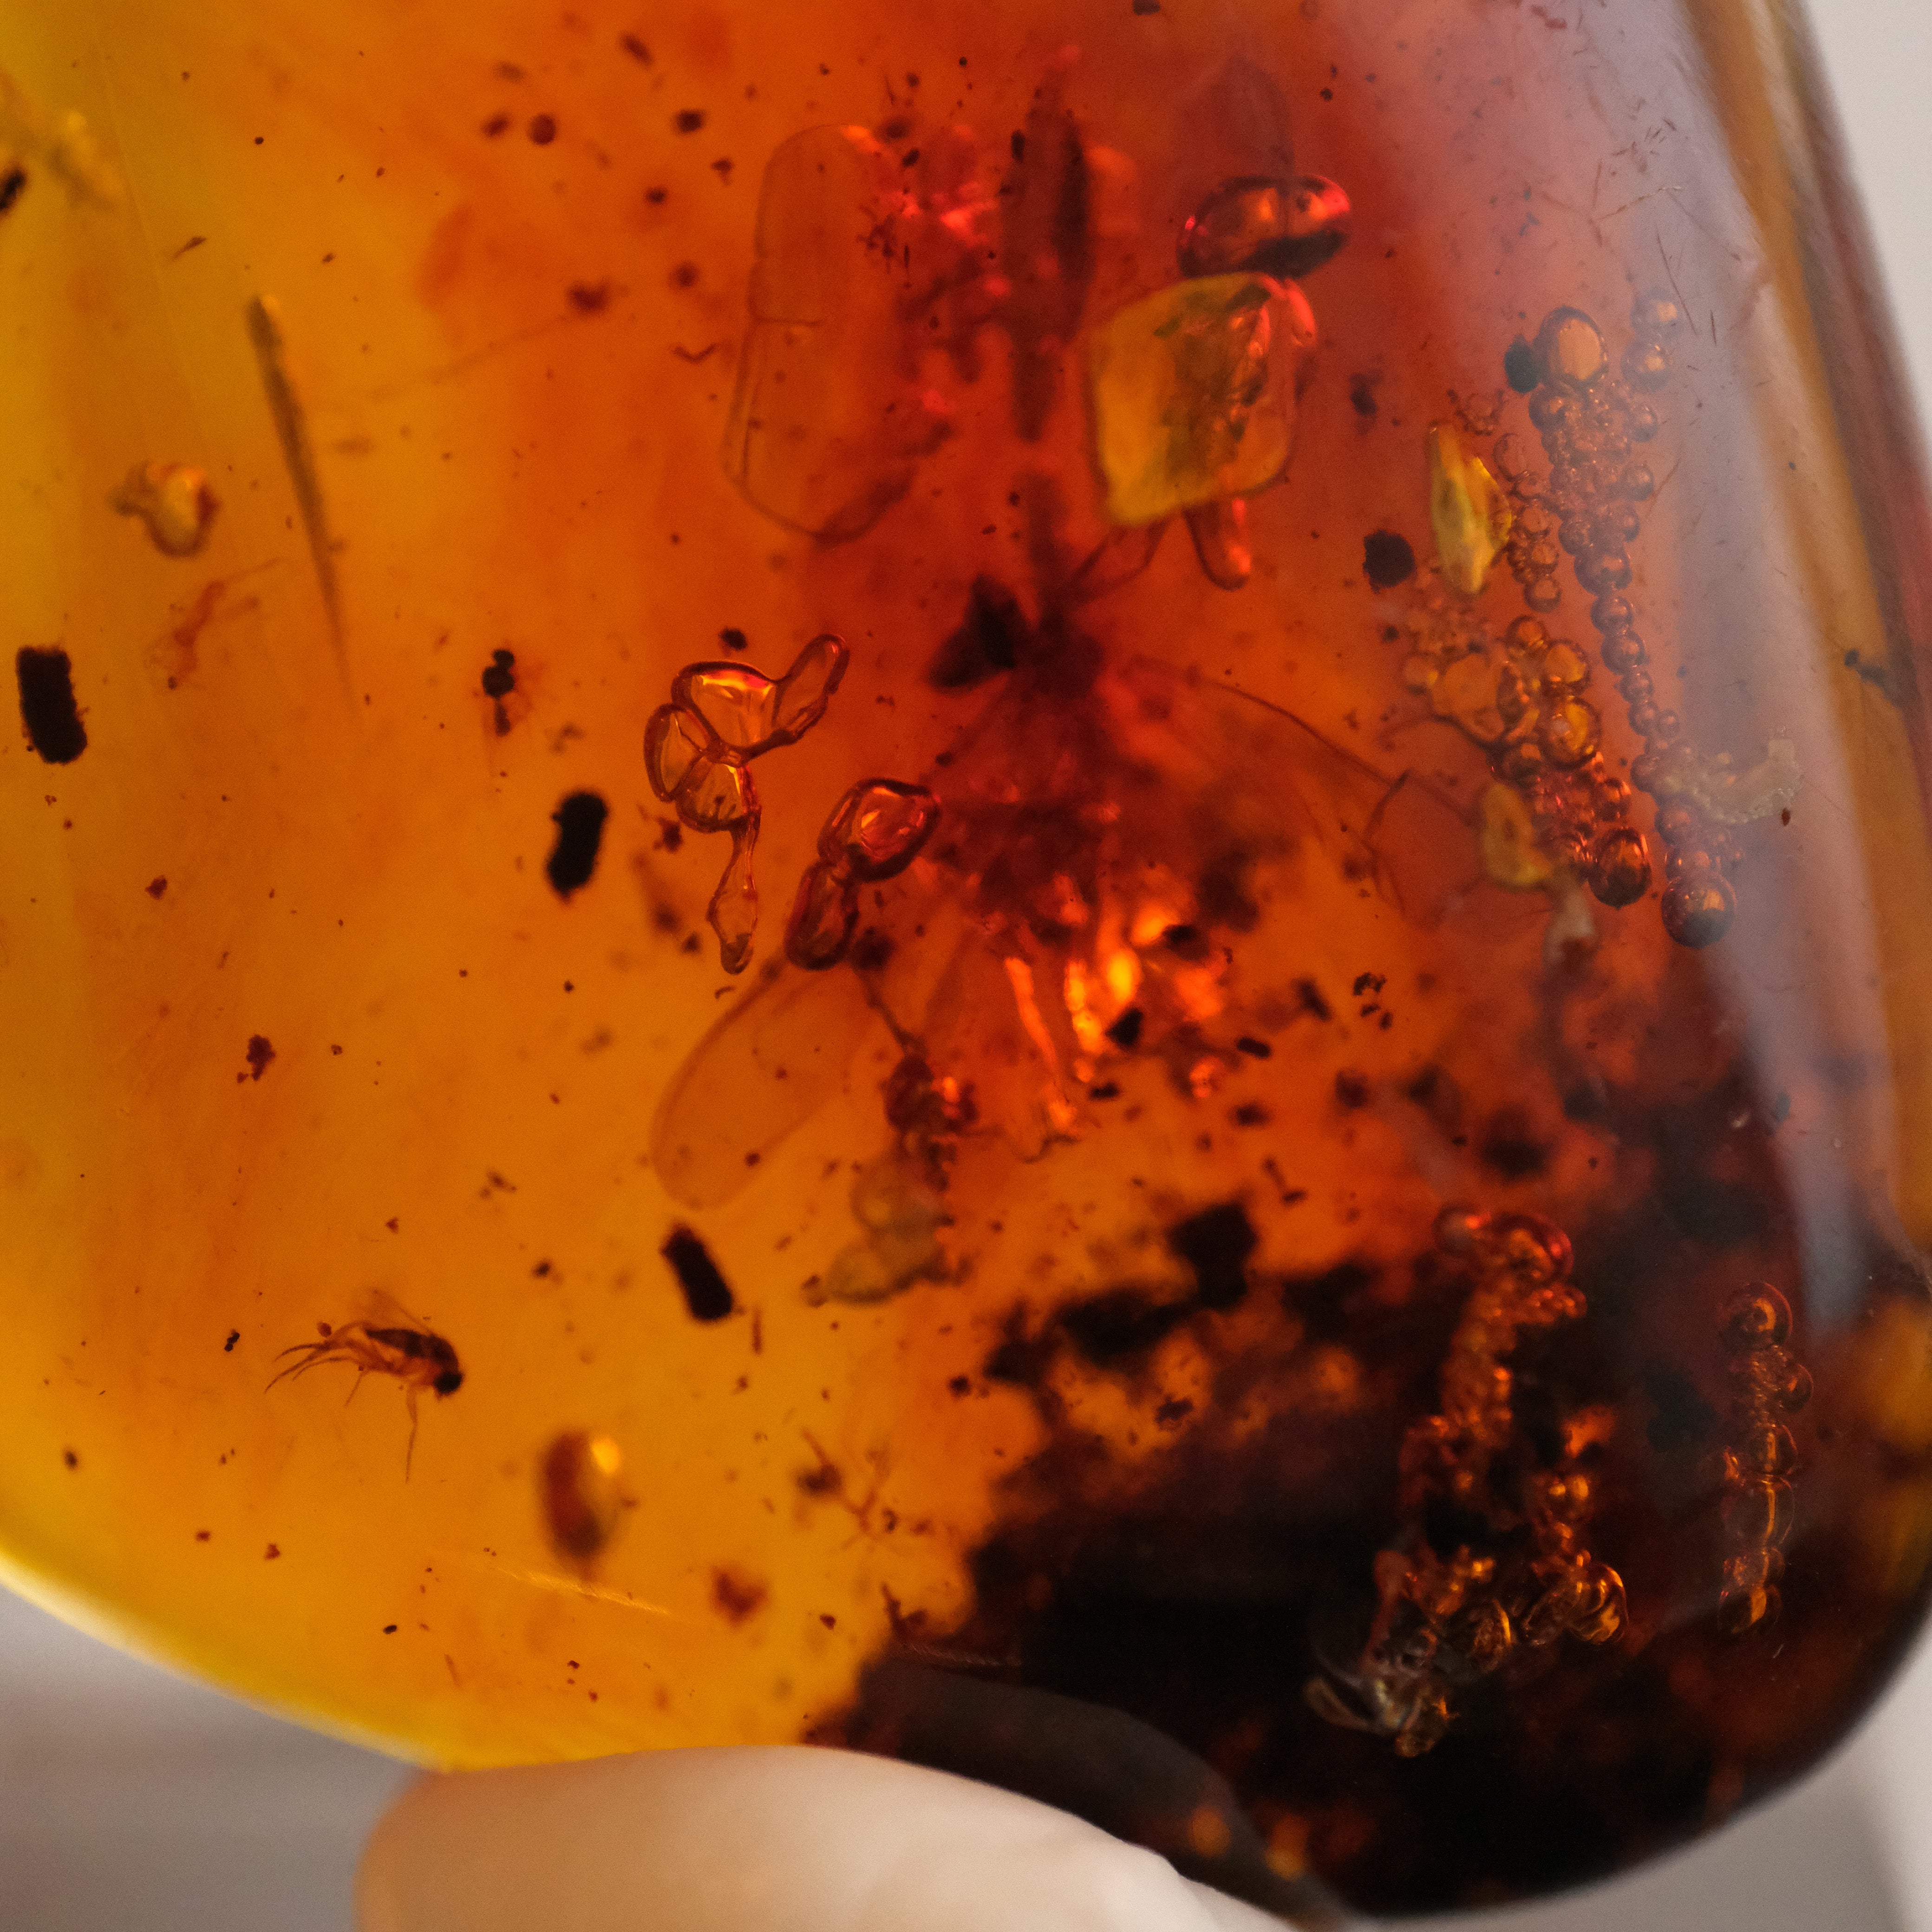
point(311, 1352)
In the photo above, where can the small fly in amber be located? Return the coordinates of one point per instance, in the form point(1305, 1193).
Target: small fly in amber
point(405, 1349)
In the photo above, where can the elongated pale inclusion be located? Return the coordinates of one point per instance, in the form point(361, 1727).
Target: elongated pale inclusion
point(830, 416)
point(1468, 510)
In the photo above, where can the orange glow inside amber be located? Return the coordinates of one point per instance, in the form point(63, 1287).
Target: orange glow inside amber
point(889, 1081)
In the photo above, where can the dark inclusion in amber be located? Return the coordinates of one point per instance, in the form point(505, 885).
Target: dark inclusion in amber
point(1443, 1589)
point(1295, 1230)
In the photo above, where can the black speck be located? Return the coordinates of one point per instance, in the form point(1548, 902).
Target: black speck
point(589, 297)
point(688, 120)
point(70, 1459)
point(1124, 1321)
point(1521, 369)
point(1511, 1145)
point(11, 183)
point(47, 707)
point(1352, 1088)
point(499, 674)
point(154, 888)
point(579, 821)
point(1021, 1359)
point(1362, 396)
point(1368, 983)
point(497, 124)
point(1255, 1049)
point(1146, 6)
point(706, 1293)
point(1683, 1419)
point(1309, 994)
point(1107, 1090)
point(635, 48)
point(870, 950)
point(1215, 1243)
point(1017, 146)
point(260, 1053)
point(1438, 1097)
point(733, 639)
point(542, 129)
point(961, 1385)
point(1125, 1033)
point(989, 639)
point(234, 1336)
point(388, 1630)
point(1388, 558)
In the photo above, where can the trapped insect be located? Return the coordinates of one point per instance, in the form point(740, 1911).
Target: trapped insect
point(405, 1349)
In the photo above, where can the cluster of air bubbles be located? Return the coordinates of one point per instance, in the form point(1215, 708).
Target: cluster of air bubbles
point(1768, 1385)
point(874, 832)
point(1526, 702)
point(1593, 424)
point(698, 749)
point(1448, 1616)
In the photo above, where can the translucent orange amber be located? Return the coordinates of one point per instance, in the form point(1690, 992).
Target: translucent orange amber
point(1270, 1183)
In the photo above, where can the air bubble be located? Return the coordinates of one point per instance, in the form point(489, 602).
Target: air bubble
point(1601, 570)
point(716, 797)
point(1637, 483)
point(1569, 347)
point(1656, 312)
point(1759, 1318)
point(1570, 731)
point(1220, 534)
point(806, 689)
point(1758, 1516)
point(878, 828)
point(674, 741)
point(1255, 224)
point(1565, 668)
point(1698, 913)
point(1542, 593)
point(1620, 867)
point(824, 915)
point(1646, 365)
point(1767, 1450)
point(1740, 1611)
point(735, 703)
point(733, 909)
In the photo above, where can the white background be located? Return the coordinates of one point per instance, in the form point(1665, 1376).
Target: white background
point(130, 1801)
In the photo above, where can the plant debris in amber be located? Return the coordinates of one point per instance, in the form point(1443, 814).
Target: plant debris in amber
point(1299, 1225)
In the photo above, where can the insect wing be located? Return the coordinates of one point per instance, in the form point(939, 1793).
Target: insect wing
point(764, 1070)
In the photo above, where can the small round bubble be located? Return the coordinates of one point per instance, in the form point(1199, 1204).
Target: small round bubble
point(1698, 912)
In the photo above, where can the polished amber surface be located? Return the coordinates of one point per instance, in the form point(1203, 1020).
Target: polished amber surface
point(1269, 1182)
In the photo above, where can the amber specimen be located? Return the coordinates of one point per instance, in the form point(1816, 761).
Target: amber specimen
point(1313, 1193)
